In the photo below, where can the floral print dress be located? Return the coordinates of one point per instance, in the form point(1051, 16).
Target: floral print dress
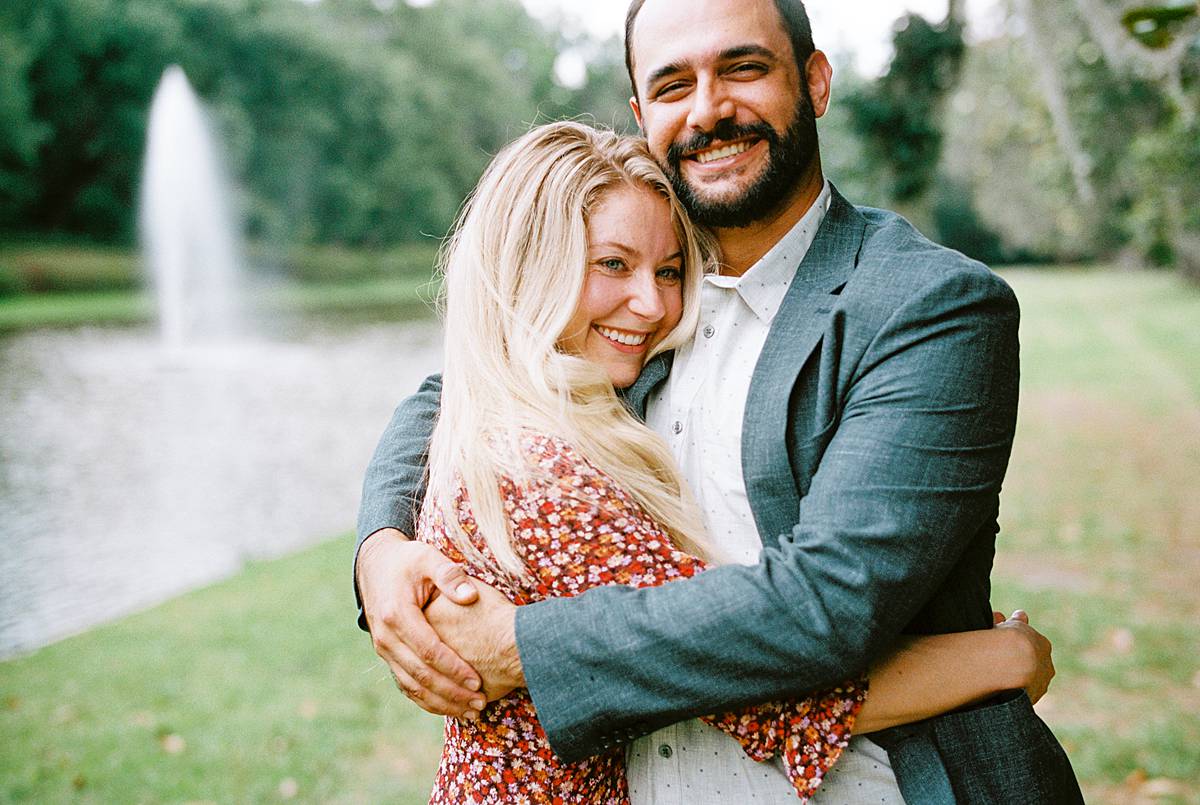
point(575, 528)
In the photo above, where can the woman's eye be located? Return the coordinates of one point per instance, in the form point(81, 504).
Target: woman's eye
point(670, 275)
point(613, 264)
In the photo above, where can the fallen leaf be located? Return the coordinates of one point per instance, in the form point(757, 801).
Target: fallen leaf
point(173, 744)
point(1121, 640)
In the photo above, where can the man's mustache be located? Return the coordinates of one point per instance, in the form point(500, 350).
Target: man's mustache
point(725, 130)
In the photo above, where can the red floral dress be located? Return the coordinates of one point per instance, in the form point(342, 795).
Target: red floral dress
point(576, 529)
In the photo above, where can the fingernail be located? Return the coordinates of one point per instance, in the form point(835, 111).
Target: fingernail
point(472, 684)
point(478, 704)
point(471, 715)
point(464, 589)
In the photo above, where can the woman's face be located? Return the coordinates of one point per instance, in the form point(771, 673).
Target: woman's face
point(633, 290)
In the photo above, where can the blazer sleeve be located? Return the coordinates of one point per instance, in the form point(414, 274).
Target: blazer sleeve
point(394, 485)
point(910, 476)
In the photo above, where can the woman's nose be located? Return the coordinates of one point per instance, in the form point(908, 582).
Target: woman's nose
point(645, 298)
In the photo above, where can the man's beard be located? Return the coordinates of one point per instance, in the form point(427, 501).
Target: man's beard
point(789, 156)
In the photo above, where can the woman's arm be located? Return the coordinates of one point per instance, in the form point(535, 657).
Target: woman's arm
point(927, 676)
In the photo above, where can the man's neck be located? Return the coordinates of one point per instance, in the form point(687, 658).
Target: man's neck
point(742, 247)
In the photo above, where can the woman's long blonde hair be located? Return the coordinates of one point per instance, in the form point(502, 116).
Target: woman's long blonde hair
point(514, 268)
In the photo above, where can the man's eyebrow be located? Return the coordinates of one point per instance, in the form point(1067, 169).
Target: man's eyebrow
point(664, 71)
point(729, 54)
point(742, 51)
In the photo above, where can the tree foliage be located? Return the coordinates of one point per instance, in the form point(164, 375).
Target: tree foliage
point(898, 115)
point(345, 121)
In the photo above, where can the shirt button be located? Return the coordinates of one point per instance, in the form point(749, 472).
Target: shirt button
point(710, 331)
point(664, 750)
point(677, 428)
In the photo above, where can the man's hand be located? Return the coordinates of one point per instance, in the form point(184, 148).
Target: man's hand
point(397, 577)
point(484, 634)
point(1033, 662)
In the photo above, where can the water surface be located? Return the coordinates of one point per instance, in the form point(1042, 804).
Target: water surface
point(128, 475)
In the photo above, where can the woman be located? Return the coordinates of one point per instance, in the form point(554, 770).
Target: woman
point(569, 266)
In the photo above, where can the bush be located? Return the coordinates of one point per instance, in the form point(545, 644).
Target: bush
point(68, 269)
point(10, 280)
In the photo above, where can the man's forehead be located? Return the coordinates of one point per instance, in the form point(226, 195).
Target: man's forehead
point(681, 31)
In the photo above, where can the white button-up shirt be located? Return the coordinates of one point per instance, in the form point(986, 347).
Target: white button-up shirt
point(699, 411)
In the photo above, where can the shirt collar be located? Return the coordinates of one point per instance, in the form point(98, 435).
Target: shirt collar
point(765, 284)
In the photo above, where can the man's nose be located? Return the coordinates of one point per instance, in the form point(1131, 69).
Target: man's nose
point(710, 105)
point(645, 298)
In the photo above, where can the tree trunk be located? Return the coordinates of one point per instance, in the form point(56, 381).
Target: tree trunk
point(1042, 55)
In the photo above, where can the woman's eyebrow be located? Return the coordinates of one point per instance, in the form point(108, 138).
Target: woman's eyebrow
point(613, 244)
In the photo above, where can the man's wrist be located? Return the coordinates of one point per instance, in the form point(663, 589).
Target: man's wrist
point(372, 543)
point(516, 669)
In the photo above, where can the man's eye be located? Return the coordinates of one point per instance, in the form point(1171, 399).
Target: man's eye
point(747, 68)
point(674, 88)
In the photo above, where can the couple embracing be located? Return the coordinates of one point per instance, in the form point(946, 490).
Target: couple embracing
point(703, 508)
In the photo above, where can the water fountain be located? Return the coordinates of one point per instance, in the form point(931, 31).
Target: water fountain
point(130, 473)
point(187, 229)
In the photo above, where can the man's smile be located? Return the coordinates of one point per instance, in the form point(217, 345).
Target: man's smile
point(718, 152)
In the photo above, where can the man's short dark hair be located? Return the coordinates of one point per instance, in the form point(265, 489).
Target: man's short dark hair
point(795, 21)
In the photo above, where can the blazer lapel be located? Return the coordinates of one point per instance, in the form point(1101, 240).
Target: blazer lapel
point(654, 372)
point(802, 319)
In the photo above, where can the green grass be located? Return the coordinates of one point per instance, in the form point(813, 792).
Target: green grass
point(43, 285)
point(265, 679)
point(223, 695)
point(1101, 522)
point(394, 297)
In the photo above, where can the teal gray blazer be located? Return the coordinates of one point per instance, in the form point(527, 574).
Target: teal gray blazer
point(877, 432)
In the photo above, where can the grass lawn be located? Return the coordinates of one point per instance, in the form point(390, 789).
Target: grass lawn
point(260, 689)
point(1101, 522)
point(57, 286)
point(250, 691)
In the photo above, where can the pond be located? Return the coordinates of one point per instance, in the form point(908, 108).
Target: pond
point(128, 476)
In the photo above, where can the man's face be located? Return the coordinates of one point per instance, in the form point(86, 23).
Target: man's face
point(725, 108)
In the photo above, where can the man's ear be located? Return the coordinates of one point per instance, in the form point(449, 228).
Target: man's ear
point(818, 72)
point(637, 112)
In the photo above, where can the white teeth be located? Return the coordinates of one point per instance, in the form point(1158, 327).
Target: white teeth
point(721, 153)
point(628, 339)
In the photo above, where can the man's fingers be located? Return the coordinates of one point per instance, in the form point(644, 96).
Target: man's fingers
point(998, 618)
point(1020, 615)
point(454, 583)
point(426, 700)
point(431, 665)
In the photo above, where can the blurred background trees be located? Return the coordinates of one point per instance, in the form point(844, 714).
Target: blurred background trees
point(364, 123)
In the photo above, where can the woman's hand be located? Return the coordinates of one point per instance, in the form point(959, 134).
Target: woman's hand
point(484, 634)
point(1032, 664)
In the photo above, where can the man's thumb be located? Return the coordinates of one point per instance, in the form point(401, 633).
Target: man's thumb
point(454, 583)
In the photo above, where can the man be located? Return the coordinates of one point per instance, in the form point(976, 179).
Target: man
point(844, 416)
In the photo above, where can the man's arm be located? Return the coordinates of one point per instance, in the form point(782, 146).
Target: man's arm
point(395, 578)
point(910, 476)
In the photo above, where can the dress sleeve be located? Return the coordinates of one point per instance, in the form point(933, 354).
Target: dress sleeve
point(809, 734)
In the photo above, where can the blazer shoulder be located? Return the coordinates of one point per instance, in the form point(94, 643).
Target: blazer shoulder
point(899, 263)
